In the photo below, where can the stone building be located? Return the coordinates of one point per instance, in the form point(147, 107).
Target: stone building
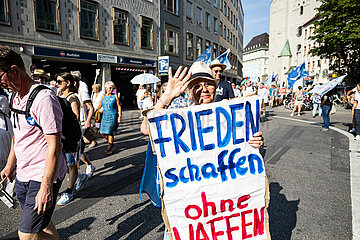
point(256, 56)
point(291, 24)
point(188, 27)
point(118, 37)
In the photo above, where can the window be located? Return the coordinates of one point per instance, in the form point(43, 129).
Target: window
point(215, 50)
point(199, 49)
point(221, 28)
point(208, 24)
point(301, 10)
point(189, 11)
point(207, 44)
point(89, 20)
point(225, 8)
point(304, 51)
point(146, 33)
point(171, 6)
point(172, 45)
point(216, 3)
point(121, 27)
point(228, 37)
point(221, 5)
point(228, 13)
point(299, 31)
point(198, 16)
point(216, 25)
point(189, 46)
point(47, 15)
point(4, 12)
point(225, 32)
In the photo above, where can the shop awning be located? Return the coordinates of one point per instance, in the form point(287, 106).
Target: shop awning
point(130, 69)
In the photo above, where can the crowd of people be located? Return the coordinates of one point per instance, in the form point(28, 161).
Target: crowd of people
point(38, 153)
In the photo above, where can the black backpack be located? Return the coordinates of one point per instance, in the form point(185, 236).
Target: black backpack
point(70, 125)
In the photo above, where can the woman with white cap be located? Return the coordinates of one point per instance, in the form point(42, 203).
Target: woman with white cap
point(202, 91)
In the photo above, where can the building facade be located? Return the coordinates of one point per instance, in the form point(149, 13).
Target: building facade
point(118, 37)
point(189, 27)
point(122, 38)
point(256, 57)
point(291, 24)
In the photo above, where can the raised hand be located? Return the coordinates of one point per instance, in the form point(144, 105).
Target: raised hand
point(178, 83)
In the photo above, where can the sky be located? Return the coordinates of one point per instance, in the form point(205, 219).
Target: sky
point(257, 18)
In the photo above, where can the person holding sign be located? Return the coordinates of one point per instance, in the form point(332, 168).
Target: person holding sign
point(202, 91)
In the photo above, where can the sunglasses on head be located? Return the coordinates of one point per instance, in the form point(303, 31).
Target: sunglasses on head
point(218, 71)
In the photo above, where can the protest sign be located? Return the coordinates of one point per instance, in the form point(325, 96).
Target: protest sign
point(214, 182)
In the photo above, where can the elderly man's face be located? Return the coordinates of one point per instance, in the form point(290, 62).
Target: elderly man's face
point(202, 91)
point(217, 72)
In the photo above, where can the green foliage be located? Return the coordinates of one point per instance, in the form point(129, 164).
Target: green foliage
point(337, 30)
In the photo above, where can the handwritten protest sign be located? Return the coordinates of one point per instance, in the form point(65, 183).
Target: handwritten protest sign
point(214, 181)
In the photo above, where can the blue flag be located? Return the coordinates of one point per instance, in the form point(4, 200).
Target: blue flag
point(223, 58)
point(298, 73)
point(206, 56)
point(150, 182)
point(269, 79)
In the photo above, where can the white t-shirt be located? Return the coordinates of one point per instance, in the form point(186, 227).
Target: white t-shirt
point(248, 91)
point(140, 93)
point(357, 98)
point(83, 96)
point(263, 92)
point(96, 99)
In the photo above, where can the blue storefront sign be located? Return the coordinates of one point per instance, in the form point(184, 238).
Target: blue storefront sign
point(61, 53)
point(164, 65)
point(136, 61)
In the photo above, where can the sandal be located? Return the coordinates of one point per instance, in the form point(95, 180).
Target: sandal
point(109, 149)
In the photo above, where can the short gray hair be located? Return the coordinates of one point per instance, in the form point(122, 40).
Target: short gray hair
point(109, 84)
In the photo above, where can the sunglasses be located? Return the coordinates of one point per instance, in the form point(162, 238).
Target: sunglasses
point(1, 76)
point(218, 71)
point(59, 82)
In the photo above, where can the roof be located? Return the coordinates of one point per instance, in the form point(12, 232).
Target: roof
point(261, 40)
point(311, 20)
point(286, 51)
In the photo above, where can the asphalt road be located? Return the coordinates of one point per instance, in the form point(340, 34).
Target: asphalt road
point(308, 174)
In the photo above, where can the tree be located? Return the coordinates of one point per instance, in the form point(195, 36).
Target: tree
point(338, 33)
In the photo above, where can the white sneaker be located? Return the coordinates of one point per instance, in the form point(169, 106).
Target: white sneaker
point(299, 114)
point(353, 130)
point(357, 138)
point(291, 115)
point(90, 170)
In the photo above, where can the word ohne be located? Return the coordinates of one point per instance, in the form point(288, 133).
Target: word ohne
point(196, 127)
point(194, 212)
point(192, 172)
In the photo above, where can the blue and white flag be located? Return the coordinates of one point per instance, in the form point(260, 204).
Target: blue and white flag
point(223, 58)
point(206, 56)
point(276, 78)
point(323, 89)
point(298, 73)
point(150, 182)
point(269, 79)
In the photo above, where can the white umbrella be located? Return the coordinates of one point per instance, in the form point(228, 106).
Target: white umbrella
point(323, 89)
point(145, 78)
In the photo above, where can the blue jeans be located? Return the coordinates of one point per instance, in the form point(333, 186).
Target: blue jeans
point(315, 107)
point(325, 114)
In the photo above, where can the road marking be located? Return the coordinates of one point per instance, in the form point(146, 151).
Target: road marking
point(354, 149)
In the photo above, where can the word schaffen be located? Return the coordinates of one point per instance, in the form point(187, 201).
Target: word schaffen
point(213, 179)
point(246, 224)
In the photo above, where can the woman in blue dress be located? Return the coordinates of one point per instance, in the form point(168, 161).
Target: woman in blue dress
point(111, 115)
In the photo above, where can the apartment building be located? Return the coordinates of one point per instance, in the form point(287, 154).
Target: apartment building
point(118, 37)
point(256, 58)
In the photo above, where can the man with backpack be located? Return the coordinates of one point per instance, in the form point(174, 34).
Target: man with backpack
point(326, 105)
point(36, 148)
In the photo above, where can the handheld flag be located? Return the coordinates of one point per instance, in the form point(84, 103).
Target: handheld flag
point(327, 87)
point(150, 183)
point(206, 56)
point(298, 73)
point(269, 79)
point(223, 58)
